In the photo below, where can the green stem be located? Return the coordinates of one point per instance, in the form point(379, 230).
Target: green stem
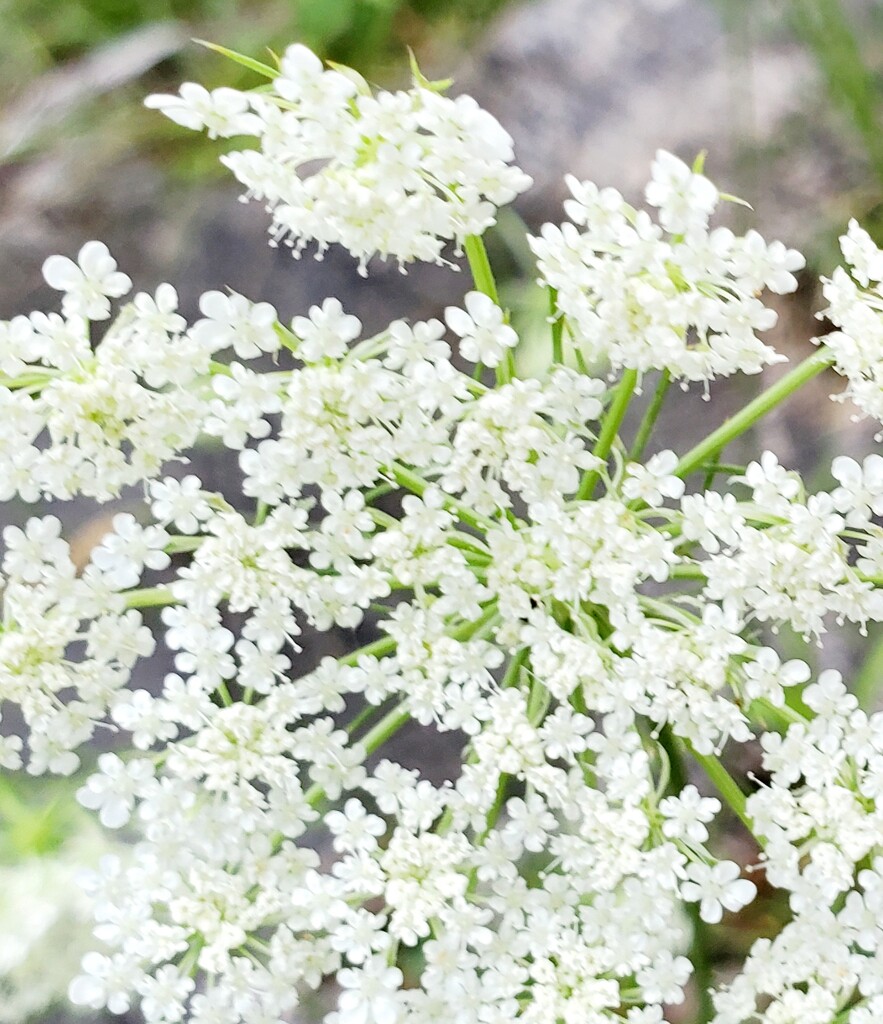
point(469, 545)
point(386, 727)
point(179, 544)
point(29, 380)
point(726, 785)
point(729, 468)
point(701, 965)
point(359, 720)
point(378, 492)
point(220, 369)
point(286, 338)
point(376, 649)
point(261, 512)
point(609, 429)
point(490, 820)
point(650, 417)
point(677, 772)
point(513, 669)
point(811, 367)
point(844, 1015)
point(374, 738)
point(188, 962)
point(687, 572)
point(413, 482)
point(149, 597)
point(557, 327)
point(773, 716)
point(700, 944)
point(866, 685)
point(467, 630)
point(480, 266)
point(537, 702)
point(483, 278)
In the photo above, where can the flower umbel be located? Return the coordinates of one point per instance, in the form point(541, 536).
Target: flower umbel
point(586, 628)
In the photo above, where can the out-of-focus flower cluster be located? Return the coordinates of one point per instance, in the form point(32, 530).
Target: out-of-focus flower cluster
point(579, 618)
point(45, 917)
point(855, 299)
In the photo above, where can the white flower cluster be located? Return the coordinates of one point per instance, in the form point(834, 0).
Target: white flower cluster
point(68, 642)
point(84, 421)
point(673, 296)
point(857, 310)
point(579, 646)
point(820, 820)
point(44, 925)
point(393, 174)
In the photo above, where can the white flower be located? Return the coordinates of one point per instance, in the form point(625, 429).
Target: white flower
point(234, 322)
point(182, 502)
point(222, 112)
point(856, 311)
point(370, 994)
point(862, 254)
point(396, 174)
point(326, 333)
point(717, 888)
point(163, 996)
point(687, 813)
point(88, 283)
point(353, 828)
point(663, 980)
point(653, 482)
point(685, 199)
point(112, 791)
point(686, 302)
point(123, 555)
point(483, 333)
point(860, 494)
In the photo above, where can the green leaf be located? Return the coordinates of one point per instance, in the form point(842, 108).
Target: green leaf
point(699, 162)
point(440, 85)
point(240, 58)
point(727, 198)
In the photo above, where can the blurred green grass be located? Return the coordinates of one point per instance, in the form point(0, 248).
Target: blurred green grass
point(371, 35)
point(844, 39)
point(37, 37)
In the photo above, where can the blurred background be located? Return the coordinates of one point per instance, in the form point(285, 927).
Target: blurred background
point(785, 95)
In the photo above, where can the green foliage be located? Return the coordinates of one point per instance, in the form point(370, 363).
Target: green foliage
point(32, 823)
point(37, 36)
point(826, 28)
point(845, 42)
point(370, 35)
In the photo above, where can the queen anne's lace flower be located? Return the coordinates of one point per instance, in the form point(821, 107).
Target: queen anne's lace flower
point(222, 112)
point(396, 174)
point(684, 301)
point(857, 310)
point(577, 619)
point(484, 336)
point(88, 283)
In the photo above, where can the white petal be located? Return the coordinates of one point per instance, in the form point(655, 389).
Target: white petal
point(96, 260)
point(459, 321)
point(215, 305)
point(62, 273)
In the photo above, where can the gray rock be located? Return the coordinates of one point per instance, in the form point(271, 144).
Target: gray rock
point(594, 87)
